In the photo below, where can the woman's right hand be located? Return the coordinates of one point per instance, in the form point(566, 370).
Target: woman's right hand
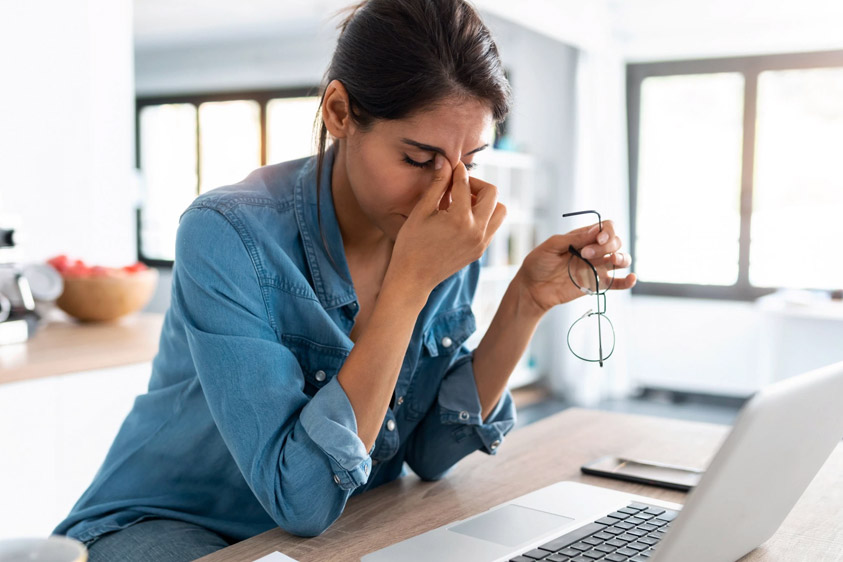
point(435, 243)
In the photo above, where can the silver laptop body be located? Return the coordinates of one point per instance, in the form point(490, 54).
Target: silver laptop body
point(779, 442)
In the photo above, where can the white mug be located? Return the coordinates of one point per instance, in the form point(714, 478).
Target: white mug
point(5, 307)
point(51, 549)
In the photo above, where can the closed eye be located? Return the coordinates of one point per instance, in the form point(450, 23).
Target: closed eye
point(412, 162)
point(429, 163)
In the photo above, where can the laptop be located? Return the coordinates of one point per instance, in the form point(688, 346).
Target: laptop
point(781, 439)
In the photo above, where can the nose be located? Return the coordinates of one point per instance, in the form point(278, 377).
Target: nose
point(455, 161)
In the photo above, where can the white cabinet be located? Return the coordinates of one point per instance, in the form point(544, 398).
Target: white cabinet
point(798, 336)
point(729, 348)
point(54, 435)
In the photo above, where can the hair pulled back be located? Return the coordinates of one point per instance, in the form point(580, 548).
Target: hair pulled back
point(396, 58)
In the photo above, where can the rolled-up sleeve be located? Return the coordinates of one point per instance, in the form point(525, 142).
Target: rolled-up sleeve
point(329, 421)
point(300, 455)
point(453, 427)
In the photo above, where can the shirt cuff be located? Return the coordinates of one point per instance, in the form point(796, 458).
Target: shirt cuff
point(459, 404)
point(330, 423)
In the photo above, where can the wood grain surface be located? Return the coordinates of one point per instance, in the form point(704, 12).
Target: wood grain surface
point(538, 455)
point(68, 346)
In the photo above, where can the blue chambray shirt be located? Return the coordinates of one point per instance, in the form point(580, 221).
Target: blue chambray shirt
point(245, 426)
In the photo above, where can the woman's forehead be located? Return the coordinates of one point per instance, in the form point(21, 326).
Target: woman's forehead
point(455, 127)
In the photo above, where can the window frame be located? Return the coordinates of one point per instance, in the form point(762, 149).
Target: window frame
point(750, 67)
point(262, 97)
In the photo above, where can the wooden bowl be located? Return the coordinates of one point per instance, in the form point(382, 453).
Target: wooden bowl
point(105, 298)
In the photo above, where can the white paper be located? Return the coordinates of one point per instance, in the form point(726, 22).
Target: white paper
point(275, 557)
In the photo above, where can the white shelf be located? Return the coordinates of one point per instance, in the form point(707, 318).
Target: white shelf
point(514, 174)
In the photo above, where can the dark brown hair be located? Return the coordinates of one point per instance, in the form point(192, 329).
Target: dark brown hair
point(396, 58)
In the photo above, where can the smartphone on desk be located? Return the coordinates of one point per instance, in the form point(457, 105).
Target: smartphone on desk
point(645, 472)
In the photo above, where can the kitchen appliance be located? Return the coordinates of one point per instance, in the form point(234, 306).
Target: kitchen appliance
point(18, 317)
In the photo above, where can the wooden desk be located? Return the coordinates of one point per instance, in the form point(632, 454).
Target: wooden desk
point(65, 346)
point(540, 454)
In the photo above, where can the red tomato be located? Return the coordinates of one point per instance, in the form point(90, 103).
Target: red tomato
point(59, 262)
point(77, 270)
point(135, 267)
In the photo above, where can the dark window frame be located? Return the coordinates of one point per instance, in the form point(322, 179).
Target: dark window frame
point(750, 67)
point(262, 97)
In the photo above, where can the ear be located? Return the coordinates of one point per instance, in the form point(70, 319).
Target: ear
point(335, 110)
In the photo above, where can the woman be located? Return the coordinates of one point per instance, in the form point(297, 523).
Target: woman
point(319, 307)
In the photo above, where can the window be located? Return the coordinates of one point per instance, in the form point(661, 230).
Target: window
point(797, 209)
point(187, 145)
point(736, 183)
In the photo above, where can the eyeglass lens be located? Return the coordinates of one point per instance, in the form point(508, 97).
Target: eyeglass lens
point(589, 334)
point(593, 278)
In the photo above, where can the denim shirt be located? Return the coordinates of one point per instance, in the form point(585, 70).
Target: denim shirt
point(245, 426)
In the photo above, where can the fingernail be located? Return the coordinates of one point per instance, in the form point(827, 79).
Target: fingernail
point(594, 229)
point(439, 161)
point(602, 238)
point(588, 253)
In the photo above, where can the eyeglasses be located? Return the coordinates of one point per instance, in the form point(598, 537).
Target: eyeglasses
point(592, 277)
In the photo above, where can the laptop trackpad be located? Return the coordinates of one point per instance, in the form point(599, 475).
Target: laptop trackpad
point(511, 525)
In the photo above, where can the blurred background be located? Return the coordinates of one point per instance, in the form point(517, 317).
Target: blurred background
point(710, 132)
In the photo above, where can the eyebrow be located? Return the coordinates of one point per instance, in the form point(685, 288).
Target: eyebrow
point(436, 149)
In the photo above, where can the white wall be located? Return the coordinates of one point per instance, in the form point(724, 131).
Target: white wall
point(67, 134)
point(649, 30)
point(252, 63)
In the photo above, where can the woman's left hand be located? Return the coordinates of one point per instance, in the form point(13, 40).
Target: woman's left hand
point(544, 273)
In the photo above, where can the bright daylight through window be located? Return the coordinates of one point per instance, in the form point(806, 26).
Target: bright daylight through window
point(188, 147)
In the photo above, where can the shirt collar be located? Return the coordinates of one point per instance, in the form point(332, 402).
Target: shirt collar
point(330, 273)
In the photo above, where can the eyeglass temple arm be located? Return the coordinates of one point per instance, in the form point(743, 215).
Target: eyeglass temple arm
point(593, 269)
point(599, 220)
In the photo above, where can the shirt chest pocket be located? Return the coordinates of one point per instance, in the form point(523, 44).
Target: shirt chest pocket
point(319, 363)
point(448, 331)
point(441, 339)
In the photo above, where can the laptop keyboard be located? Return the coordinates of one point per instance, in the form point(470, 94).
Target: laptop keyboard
point(627, 535)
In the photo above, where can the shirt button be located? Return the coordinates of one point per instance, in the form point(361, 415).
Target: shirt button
point(390, 425)
point(400, 400)
point(366, 469)
point(447, 342)
point(494, 445)
point(320, 375)
point(336, 479)
point(463, 415)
